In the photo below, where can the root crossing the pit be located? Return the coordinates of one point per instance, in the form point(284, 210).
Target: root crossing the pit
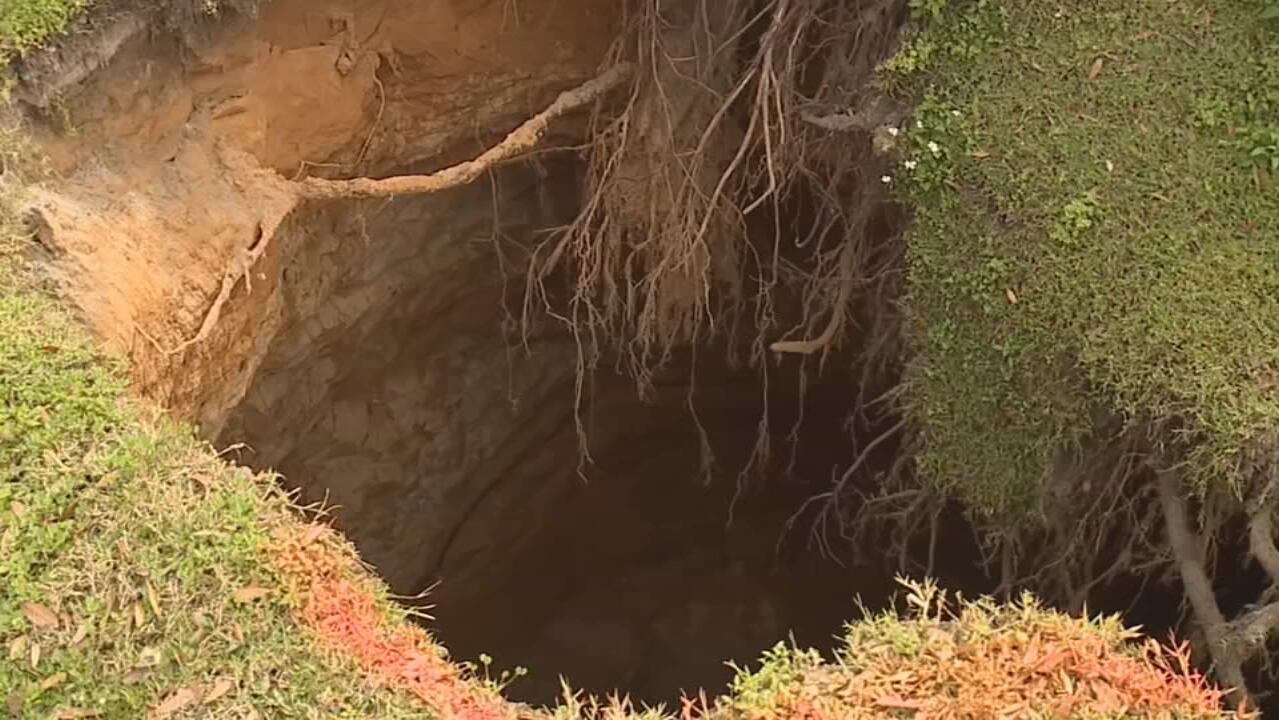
point(520, 141)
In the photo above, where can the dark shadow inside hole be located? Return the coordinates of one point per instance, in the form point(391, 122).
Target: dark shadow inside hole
point(450, 453)
point(643, 571)
point(400, 393)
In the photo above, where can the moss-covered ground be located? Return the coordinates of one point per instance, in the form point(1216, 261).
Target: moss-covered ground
point(1097, 234)
point(26, 24)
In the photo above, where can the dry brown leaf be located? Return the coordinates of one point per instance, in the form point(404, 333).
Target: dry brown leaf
point(178, 700)
point(39, 615)
point(893, 702)
point(135, 676)
point(153, 599)
point(220, 688)
point(18, 647)
point(76, 714)
point(313, 533)
point(53, 681)
point(1012, 296)
point(1096, 68)
point(139, 615)
point(81, 633)
point(35, 655)
point(249, 594)
point(149, 657)
point(1067, 684)
point(1051, 661)
point(13, 704)
point(1017, 709)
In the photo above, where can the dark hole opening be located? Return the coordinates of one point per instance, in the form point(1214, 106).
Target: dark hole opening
point(645, 571)
point(404, 395)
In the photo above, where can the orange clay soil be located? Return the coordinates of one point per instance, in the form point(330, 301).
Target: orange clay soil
point(339, 606)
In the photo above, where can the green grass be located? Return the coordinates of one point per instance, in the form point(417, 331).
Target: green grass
point(1097, 234)
point(26, 24)
point(136, 537)
point(952, 657)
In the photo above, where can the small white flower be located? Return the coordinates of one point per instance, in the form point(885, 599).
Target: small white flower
point(934, 148)
point(886, 179)
point(893, 131)
point(919, 124)
point(954, 113)
point(911, 164)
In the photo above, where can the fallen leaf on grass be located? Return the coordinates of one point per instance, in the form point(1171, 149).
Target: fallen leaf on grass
point(249, 594)
point(53, 681)
point(35, 656)
point(313, 533)
point(13, 704)
point(139, 615)
point(175, 702)
point(39, 615)
point(81, 633)
point(153, 599)
point(1051, 661)
point(1016, 710)
point(149, 657)
point(1012, 296)
point(892, 702)
point(133, 677)
point(220, 688)
point(1096, 68)
point(18, 647)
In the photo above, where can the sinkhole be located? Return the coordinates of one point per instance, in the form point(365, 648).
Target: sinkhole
point(383, 355)
point(628, 544)
point(386, 357)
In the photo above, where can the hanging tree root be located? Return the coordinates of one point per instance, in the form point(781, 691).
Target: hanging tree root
point(521, 140)
point(734, 123)
point(1231, 643)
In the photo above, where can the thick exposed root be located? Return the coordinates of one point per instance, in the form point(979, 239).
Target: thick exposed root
point(284, 195)
point(1231, 642)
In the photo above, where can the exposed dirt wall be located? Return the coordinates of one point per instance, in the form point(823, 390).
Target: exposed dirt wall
point(170, 155)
